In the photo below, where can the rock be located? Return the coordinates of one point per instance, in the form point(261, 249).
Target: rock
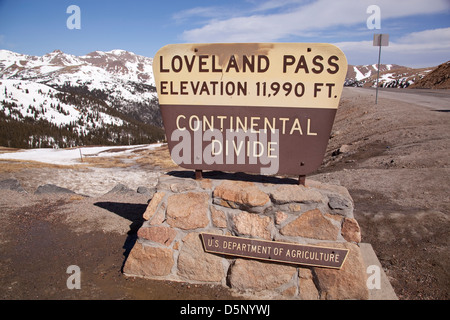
point(120, 188)
point(334, 133)
point(51, 188)
point(206, 184)
point(295, 193)
point(307, 288)
point(339, 199)
point(153, 205)
point(347, 283)
point(293, 207)
point(345, 148)
point(340, 205)
point(142, 190)
point(11, 184)
point(240, 194)
point(218, 217)
point(350, 230)
point(177, 185)
point(311, 224)
point(330, 189)
point(252, 224)
point(195, 264)
point(335, 153)
point(163, 235)
point(146, 191)
point(280, 217)
point(159, 216)
point(184, 186)
point(290, 291)
point(149, 261)
point(188, 210)
point(258, 276)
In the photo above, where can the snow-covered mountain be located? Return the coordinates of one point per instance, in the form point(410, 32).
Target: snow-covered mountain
point(95, 69)
point(365, 71)
point(391, 75)
point(126, 78)
point(62, 100)
point(101, 93)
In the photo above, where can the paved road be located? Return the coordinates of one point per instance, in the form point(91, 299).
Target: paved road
point(438, 100)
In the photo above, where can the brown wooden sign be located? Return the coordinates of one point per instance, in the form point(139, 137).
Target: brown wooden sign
point(263, 108)
point(275, 251)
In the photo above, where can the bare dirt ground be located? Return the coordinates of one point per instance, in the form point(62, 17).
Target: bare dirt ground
point(393, 157)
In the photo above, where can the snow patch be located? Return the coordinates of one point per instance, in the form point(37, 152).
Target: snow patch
point(73, 156)
point(359, 75)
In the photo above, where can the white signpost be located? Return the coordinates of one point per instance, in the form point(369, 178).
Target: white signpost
point(380, 40)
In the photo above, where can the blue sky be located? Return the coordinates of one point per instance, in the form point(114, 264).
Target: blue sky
point(419, 30)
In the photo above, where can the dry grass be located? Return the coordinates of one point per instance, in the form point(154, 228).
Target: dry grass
point(108, 162)
point(8, 166)
point(159, 157)
point(8, 150)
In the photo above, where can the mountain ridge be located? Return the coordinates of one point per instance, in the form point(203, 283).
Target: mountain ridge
point(80, 95)
point(391, 75)
point(109, 97)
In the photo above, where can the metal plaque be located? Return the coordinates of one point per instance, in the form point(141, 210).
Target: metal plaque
point(316, 256)
point(263, 108)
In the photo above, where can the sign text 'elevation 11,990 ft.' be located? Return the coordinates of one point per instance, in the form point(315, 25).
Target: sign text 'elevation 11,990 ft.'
point(261, 107)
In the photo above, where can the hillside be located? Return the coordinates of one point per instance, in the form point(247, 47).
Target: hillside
point(391, 75)
point(439, 78)
point(360, 72)
point(60, 100)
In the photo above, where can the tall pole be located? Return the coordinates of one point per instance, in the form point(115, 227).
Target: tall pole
point(378, 71)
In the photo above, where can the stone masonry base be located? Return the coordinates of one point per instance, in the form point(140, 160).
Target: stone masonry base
point(169, 246)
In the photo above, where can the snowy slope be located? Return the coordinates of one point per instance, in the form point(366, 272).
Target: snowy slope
point(62, 100)
point(101, 97)
point(391, 75)
point(363, 72)
point(29, 96)
point(126, 79)
point(72, 156)
point(117, 64)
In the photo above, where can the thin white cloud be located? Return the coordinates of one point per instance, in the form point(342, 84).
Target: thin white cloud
point(320, 15)
point(275, 4)
point(196, 13)
point(6, 44)
point(417, 49)
point(434, 39)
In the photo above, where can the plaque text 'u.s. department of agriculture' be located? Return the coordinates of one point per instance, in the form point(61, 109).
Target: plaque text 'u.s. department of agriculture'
point(275, 251)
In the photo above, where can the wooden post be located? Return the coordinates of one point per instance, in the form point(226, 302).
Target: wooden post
point(301, 180)
point(198, 175)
